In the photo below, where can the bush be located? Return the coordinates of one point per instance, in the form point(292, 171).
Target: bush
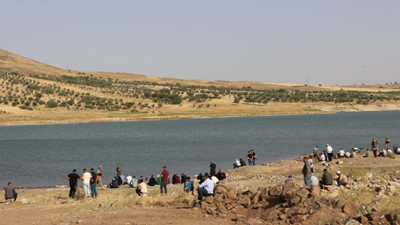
point(391, 155)
point(51, 103)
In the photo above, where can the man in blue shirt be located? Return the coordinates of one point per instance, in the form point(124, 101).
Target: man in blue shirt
point(206, 188)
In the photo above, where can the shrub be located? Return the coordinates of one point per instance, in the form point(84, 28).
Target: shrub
point(51, 103)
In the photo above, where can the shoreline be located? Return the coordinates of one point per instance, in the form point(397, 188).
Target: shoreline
point(187, 117)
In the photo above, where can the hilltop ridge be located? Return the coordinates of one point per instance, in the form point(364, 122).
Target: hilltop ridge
point(34, 93)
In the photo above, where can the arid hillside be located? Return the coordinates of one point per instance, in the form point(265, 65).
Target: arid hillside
point(35, 93)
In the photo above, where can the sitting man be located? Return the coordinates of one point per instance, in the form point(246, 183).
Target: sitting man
point(314, 180)
point(10, 192)
point(134, 182)
point(326, 179)
point(341, 153)
point(188, 186)
point(206, 188)
point(141, 188)
point(236, 164)
point(289, 179)
point(382, 153)
point(341, 179)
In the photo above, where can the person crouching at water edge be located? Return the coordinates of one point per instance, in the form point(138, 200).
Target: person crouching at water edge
point(86, 182)
point(9, 192)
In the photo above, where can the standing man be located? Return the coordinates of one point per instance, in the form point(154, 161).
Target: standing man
point(315, 152)
point(387, 143)
point(10, 192)
point(93, 183)
point(212, 168)
point(374, 146)
point(99, 177)
point(164, 180)
point(329, 150)
point(119, 173)
point(250, 158)
point(73, 182)
point(86, 182)
point(306, 171)
point(254, 157)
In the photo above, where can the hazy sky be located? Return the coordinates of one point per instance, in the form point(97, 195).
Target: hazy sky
point(327, 42)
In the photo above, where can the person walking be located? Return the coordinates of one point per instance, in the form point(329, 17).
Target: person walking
point(99, 177)
point(86, 182)
point(93, 182)
point(73, 182)
point(164, 180)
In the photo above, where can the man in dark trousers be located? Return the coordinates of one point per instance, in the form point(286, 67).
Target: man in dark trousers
point(119, 173)
point(10, 192)
point(164, 180)
point(212, 168)
point(73, 182)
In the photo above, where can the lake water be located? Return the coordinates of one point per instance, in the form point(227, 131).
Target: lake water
point(40, 156)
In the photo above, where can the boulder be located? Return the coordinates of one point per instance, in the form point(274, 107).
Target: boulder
point(245, 201)
point(314, 190)
point(350, 208)
point(24, 201)
point(210, 199)
point(275, 191)
point(394, 216)
point(289, 191)
point(353, 222)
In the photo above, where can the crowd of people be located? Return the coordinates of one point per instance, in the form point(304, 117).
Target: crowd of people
point(328, 154)
point(91, 180)
point(251, 158)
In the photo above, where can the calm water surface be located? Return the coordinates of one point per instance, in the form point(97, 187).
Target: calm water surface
point(39, 156)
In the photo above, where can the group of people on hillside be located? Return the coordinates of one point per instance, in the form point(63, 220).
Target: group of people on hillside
point(326, 179)
point(89, 179)
point(251, 158)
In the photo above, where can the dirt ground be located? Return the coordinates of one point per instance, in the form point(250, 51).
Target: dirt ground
point(92, 214)
point(123, 206)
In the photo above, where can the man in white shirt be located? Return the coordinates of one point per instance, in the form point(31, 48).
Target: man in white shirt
point(314, 180)
point(341, 153)
point(128, 178)
point(214, 179)
point(206, 188)
point(142, 188)
point(86, 176)
point(329, 150)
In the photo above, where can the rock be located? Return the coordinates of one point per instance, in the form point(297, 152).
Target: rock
point(340, 204)
point(245, 201)
point(339, 162)
point(350, 208)
point(352, 222)
point(314, 190)
point(289, 191)
point(275, 191)
point(24, 201)
point(362, 219)
point(210, 199)
point(394, 216)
